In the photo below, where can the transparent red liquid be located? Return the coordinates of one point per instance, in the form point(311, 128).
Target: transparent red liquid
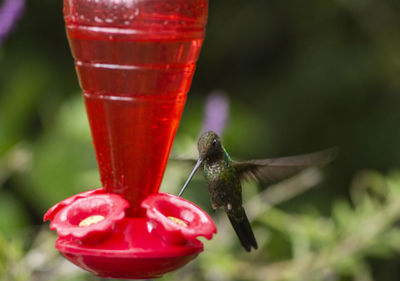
point(134, 76)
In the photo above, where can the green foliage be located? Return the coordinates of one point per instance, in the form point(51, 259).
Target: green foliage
point(11, 252)
point(20, 94)
point(337, 247)
point(63, 161)
point(318, 247)
point(13, 216)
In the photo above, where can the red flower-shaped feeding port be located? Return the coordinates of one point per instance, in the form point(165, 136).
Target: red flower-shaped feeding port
point(95, 234)
point(89, 217)
point(177, 220)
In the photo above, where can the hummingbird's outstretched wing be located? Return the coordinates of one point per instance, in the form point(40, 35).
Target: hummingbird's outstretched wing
point(277, 169)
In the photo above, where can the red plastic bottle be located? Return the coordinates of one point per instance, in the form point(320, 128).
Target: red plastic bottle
point(135, 60)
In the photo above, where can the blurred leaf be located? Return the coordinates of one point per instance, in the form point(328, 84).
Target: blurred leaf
point(18, 102)
point(342, 215)
point(13, 215)
point(11, 253)
point(63, 159)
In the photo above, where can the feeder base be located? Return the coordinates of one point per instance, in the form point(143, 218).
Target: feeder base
point(135, 251)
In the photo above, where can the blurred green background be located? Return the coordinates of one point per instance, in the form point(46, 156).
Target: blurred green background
point(301, 76)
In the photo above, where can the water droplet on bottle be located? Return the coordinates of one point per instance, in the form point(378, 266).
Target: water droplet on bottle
point(97, 19)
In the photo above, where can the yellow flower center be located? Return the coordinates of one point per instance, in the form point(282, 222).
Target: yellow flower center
point(91, 220)
point(178, 221)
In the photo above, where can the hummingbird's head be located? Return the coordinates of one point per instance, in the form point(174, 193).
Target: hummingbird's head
point(209, 145)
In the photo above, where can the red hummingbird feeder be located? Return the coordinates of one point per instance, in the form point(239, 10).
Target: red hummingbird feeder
point(135, 60)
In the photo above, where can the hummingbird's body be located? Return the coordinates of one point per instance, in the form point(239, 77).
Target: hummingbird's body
point(221, 180)
point(225, 192)
point(223, 176)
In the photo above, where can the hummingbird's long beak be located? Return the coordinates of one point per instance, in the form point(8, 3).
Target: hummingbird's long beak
point(191, 176)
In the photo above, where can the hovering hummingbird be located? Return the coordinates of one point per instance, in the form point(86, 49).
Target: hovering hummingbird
point(223, 176)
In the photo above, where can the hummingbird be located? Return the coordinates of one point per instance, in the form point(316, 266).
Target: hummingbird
point(224, 175)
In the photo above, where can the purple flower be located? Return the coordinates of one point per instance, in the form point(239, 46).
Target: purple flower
point(216, 112)
point(10, 12)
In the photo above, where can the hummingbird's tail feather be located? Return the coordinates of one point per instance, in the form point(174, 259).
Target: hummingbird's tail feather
point(243, 231)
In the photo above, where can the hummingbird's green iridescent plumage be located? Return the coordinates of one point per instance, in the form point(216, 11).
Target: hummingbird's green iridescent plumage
point(224, 186)
point(223, 176)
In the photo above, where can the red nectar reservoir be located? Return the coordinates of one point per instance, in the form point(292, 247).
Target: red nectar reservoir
point(135, 61)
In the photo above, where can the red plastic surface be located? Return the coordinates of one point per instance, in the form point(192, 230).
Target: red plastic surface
point(67, 218)
point(135, 61)
point(122, 247)
point(134, 253)
point(163, 210)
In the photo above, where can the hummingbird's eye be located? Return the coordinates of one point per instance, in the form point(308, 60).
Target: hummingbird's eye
point(214, 142)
